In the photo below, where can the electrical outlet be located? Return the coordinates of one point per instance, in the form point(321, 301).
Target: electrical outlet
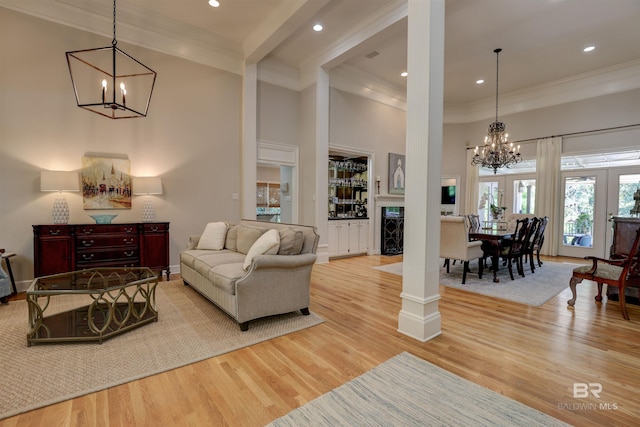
point(235, 196)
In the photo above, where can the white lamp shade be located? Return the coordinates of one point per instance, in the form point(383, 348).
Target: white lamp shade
point(147, 185)
point(59, 181)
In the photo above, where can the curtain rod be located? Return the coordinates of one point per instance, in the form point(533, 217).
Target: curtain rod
point(579, 133)
point(571, 134)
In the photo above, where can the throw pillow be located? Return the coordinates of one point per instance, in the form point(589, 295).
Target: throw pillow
point(213, 236)
point(290, 242)
point(247, 236)
point(231, 241)
point(268, 243)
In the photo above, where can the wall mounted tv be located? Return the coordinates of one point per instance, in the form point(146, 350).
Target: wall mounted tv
point(448, 196)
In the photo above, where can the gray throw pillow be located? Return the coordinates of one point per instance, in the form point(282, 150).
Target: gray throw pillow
point(290, 242)
point(231, 241)
point(247, 236)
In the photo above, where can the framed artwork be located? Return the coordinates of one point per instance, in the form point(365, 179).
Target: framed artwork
point(396, 173)
point(106, 183)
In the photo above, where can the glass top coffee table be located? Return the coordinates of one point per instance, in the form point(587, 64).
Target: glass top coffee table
point(90, 305)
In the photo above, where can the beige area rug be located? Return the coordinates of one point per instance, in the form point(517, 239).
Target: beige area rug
point(534, 289)
point(189, 329)
point(408, 391)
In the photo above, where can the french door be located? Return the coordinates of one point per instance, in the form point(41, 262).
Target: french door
point(622, 184)
point(584, 219)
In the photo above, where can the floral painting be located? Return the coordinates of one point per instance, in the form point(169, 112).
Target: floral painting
point(106, 183)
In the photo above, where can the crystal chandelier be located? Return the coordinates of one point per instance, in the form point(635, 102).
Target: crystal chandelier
point(497, 151)
point(109, 82)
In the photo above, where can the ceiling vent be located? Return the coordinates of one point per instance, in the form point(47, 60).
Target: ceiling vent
point(373, 54)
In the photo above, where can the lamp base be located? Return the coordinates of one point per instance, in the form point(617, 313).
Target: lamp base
point(148, 211)
point(60, 211)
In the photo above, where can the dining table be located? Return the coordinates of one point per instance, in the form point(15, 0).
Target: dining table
point(492, 239)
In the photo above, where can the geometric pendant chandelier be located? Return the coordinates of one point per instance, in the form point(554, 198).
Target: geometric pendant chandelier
point(109, 82)
point(497, 152)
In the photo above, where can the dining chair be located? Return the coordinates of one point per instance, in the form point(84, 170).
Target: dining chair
point(455, 244)
point(474, 223)
point(536, 243)
point(513, 249)
point(619, 272)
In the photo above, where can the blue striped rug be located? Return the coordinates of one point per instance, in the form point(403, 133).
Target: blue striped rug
point(408, 391)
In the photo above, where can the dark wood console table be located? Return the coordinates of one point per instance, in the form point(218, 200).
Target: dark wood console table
point(60, 248)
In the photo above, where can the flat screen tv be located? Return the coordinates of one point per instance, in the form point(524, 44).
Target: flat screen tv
point(448, 196)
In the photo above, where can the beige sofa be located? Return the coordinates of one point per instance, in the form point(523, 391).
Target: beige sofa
point(249, 285)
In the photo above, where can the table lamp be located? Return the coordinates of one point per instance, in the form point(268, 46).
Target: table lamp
point(59, 181)
point(146, 186)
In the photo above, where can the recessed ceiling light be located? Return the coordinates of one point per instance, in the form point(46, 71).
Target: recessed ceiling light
point(214, 3)
point(588, 48)
point(479, 81)
point(317, 27)
point(404, 74)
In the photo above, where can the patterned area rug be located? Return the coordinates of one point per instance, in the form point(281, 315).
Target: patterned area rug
point(189, 329)
point(407, 391)
point(534, 289)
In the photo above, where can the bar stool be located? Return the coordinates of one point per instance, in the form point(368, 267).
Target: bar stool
point(6, 256)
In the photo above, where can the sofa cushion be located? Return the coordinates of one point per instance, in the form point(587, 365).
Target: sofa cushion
point(206, 262)
point(290, 242)
point(268, 243)
point(224, 276)
point(247, 236)
point(213, 236)
point(231, 241)
point(189, 256)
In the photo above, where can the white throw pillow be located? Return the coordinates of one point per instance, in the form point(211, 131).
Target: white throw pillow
point(268, 243)
point(213, 236)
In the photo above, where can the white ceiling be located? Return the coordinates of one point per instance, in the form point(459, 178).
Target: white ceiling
point(542, 40)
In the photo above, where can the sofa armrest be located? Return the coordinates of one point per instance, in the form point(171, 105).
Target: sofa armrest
point(274, 284)
point(281, 261)
point(193, 242)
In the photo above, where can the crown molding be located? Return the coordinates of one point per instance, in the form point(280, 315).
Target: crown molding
point(619, 78)
point(170, 38)
point(279, 74)
point(354, 81)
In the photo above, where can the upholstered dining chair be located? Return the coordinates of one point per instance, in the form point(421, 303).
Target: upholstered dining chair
point(619, 272)
point(455, 244)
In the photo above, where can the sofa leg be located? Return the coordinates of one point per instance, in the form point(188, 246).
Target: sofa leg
point(244, 326)
point(305, 311)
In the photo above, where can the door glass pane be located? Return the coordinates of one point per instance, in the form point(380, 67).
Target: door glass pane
point(489, 195)
point(524, 196)
point(628, 185)
point(579, 197)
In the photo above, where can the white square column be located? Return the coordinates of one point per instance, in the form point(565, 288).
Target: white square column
point(419, 317)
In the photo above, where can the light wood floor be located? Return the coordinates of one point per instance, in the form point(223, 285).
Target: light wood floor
point(533, 355)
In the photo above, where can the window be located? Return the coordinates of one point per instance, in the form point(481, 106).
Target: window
point(524, 196)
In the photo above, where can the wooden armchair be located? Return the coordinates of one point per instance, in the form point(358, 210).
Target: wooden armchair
point(621, 272)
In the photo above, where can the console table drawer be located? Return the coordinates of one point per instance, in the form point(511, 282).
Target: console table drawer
point(100, 241)
point(91, 229)
point(126, 255)
point(155, 228)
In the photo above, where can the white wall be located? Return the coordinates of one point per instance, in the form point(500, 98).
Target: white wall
point(191, 137)
point(361, 123)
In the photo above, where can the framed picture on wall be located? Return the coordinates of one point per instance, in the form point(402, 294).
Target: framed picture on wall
point(396, 173)
point(106, 183)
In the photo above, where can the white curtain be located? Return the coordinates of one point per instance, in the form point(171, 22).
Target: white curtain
point(548, 203)
point(471, 186)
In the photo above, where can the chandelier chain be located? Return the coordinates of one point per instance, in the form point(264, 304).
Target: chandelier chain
point(114, 41)
point(497, 51)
